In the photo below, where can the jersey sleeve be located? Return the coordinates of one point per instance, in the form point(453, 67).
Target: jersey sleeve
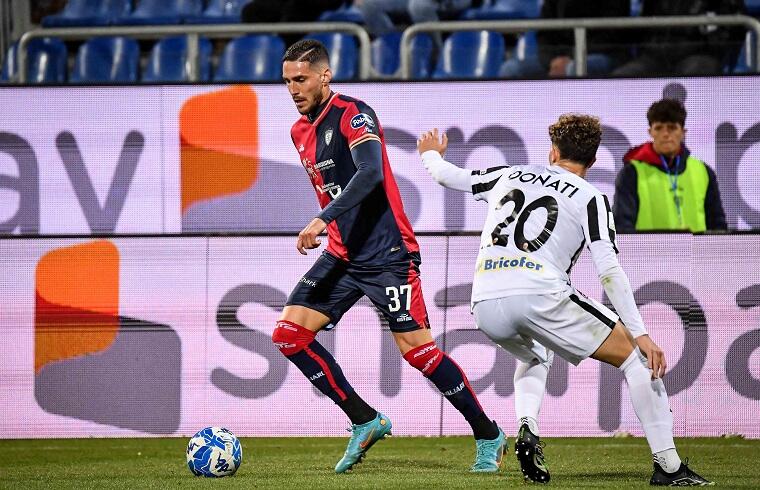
point(599, 230)
point(599, 223)
point(359, 124)
point(483, 181)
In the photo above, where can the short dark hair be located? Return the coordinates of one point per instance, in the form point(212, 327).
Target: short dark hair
point(667, 110)
point(577, 137)
point(309, 50)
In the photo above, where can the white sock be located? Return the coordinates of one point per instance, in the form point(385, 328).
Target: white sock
point(668, 460)
point(650, 402)
point(530, 385)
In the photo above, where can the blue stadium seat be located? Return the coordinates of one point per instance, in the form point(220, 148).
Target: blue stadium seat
point(168, 61)
point(476, 54)
point(345, 13)
point(107, 59)
point(157, 12)
point(46, 61)
point(344, 54)
point(386, 52)
point(504, 9)
point(88, 13)
point(254, 57)
point(219, 12)
point(753, 7)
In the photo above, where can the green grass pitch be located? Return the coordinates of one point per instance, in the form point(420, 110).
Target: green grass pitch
point(399, 462)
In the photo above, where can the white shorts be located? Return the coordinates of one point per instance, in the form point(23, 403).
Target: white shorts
point(566, 322)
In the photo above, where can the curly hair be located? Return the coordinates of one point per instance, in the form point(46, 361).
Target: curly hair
point(577, 137)
point(667, 110)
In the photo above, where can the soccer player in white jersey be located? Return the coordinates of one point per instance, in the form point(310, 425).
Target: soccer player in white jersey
point(539, 220)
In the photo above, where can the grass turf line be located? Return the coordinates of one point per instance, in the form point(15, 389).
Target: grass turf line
point(399, 462)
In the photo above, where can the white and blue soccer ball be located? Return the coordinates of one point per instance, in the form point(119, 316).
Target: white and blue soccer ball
point(214, 452)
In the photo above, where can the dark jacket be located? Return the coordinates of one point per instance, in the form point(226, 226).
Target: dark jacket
point(560, 43)
point(626, 206)
point(672, 44)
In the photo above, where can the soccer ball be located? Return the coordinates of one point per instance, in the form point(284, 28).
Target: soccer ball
point(214, 452)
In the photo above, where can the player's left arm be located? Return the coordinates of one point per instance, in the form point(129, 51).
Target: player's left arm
point(599, 230)
point(368, 159)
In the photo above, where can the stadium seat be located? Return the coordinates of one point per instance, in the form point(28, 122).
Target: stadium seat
point(88, 13)
point(344, 54)
point(107, 59)
point(219, 12)
point(386, 52)
point(253, 57)
point(157, 12)
point(46, 61)
point(476, 54)
point(346, 13)
point(503, 10)
point(168, 61)
point(753, 7)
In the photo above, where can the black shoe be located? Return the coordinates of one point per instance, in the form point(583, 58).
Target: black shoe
point(684, 477)
point(530, 454)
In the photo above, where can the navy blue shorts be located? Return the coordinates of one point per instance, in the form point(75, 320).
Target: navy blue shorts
point(332, 286)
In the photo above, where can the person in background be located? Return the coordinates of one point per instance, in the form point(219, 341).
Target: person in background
point(685, 51)
point(662, 186)
point(377, 13)
point(555, 48)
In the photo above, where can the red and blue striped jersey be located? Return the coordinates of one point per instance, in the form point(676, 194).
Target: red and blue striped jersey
point(376, 231)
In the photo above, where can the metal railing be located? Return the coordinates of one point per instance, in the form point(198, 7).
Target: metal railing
point(579, 27)
point(193, 34)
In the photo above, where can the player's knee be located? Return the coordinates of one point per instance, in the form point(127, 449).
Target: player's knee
point(425, 358)
point(291, 338)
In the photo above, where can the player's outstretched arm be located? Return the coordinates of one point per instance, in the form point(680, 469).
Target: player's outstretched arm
point(432, 148)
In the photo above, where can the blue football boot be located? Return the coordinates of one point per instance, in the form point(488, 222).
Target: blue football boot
point(489, 454)
point(362, 438)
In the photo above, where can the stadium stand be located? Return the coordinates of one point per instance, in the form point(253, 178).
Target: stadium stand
point(80, 13)
point(503, 10)
point(346, 13)
point(386, 54)
point(219, 12)
point(344, 54)
point(158, 12)
point(255, 57)
point(471, 55)
point(107, 59)
point(167, 61)
point(46, 60)
point(753, 7)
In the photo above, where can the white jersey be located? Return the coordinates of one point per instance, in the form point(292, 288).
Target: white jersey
point(539, 220)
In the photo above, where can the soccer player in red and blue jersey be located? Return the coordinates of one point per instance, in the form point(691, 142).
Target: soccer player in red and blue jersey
point(372, 251)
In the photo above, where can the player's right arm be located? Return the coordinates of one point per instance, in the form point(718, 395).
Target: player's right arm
point(478, 182)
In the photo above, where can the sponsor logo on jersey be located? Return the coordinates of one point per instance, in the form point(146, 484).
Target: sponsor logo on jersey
point(317, 376)
point(403, 318)
point(502, 263)
point(362, 119)
point(332, 189)
point(300, 148)
point(325, 164)
point(328, 136)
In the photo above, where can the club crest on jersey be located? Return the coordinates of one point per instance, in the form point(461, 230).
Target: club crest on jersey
point(362, 119)
point(328, 136)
